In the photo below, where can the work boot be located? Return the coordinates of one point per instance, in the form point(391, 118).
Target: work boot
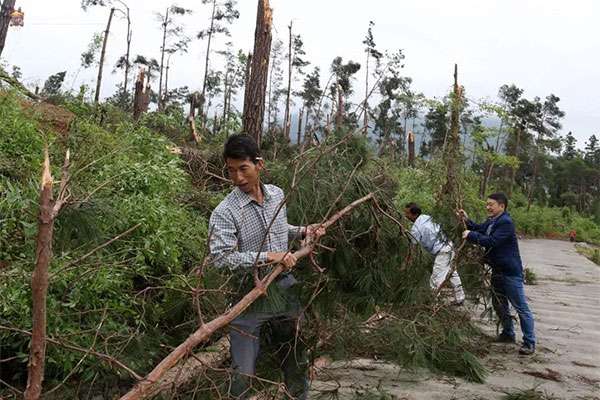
point(527, 350)
point(503, 338)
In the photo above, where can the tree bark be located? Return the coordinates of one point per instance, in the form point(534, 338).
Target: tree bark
point(141, 97)
point(102, 55)
point(7, 7)
point(254, 106)
point(411, 148)
point(162, 59)
point(49, 209)
point(286, 118)
point(143, 388)
point(299, 133)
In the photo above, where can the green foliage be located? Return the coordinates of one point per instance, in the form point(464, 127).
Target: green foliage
point(134, 294)
point(554, 222)
point(417, 337)
point(530, 277)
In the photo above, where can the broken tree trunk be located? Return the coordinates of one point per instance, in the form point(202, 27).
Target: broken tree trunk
point(411, 148)
point(256, 87)
point(191, 369)
point(144, 388)
point(141, 97)
point(49, 209)
point(7, 8)
point(103, 55)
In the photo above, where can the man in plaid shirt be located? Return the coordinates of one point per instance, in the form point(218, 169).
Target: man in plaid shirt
point(250, 227)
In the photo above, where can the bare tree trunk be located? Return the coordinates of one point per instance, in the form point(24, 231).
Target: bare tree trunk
point(7, 7)
point(102, 55)
point(366, 103)
point(210, 33)
point(286, 118)
point(411, 148)
point(247, 78)
point(162, 59)
point(254, 107)
point(487, 174)
point(49, 210)
point(339, 117)
point(225, 95)
point(299, 133)
point(127, 53)
point(166, 90)
point(145, 387)
point(270, 96)
point(514, 169)
point(141, 97)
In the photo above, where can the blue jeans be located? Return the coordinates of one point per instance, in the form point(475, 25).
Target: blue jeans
point(509, 289)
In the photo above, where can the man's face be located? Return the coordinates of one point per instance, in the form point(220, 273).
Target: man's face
point(494, 208)
point(244, 173)
point(410, 216)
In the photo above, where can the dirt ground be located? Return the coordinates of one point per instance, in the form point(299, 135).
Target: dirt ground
point(566, 305)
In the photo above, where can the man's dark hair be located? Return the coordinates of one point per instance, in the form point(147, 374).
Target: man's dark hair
point(500, 198)
point(241, 147)
point(413, 208)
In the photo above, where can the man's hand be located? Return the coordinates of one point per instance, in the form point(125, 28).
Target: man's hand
point(465, 234)
point(462, 214)
point(287, 259)
point(315, 231)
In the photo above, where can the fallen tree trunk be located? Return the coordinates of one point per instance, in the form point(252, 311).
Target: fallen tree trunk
point(144, 388)
point(195, 366)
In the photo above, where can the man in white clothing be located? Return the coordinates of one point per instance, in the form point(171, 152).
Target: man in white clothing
point(429, 235)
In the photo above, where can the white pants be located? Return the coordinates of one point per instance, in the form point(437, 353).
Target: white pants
point(441, 267)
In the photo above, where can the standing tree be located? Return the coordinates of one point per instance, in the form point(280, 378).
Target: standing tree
point(275, 82)
point(221, 12)
point(7, 8)
point(371, 52)
point(343, 85)
point(123, 61)
point(235, 68)
point(180, 46)
point(254, 104)
point(311, 94)
point(295, 61)
point(570, 150)
point(168, 32)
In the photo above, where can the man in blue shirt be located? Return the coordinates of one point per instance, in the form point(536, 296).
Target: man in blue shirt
point(429, 235)
point(497, 235)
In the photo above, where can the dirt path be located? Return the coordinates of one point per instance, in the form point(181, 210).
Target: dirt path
point(566, 304)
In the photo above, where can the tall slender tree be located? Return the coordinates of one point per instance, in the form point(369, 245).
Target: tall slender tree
point(295, 62)
point(371, 52)
point(221, 12)
point(169, 32)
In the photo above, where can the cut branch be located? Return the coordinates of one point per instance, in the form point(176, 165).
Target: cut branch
point(143, 389)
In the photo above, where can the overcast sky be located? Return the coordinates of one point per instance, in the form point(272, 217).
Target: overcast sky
point(542, 46)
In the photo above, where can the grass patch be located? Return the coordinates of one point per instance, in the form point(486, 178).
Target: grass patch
point(530, 277)
point(591, 252)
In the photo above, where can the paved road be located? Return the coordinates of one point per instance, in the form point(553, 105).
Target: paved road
point(566, 304)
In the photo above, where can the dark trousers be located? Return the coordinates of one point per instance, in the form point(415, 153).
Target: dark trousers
point(509, 290)
point(284, 336)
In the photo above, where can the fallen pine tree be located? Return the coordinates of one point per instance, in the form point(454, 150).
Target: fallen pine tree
point(146, 387)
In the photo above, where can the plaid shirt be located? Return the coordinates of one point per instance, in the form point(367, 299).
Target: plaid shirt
point(238, 227)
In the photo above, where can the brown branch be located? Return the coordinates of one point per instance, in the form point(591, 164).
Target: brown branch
point(143, 388)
